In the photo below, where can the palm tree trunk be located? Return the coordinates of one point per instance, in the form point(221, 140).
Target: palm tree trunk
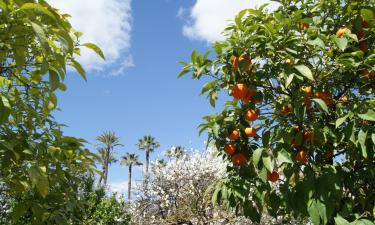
point(147, 160)
point(129, 182)
point(106, 165)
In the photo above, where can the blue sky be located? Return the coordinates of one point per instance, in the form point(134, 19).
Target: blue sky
point(136, 91)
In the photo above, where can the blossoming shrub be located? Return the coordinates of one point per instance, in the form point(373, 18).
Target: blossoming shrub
point(180, 192)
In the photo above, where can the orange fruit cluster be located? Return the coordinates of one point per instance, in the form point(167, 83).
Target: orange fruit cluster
point(242, 92)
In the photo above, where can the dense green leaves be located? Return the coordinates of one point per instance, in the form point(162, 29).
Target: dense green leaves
point(40, 167)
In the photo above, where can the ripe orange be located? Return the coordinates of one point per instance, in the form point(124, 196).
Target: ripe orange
point(234, 135)
point(239, 91)
point(251, 115)
point(273, 177)
point(343, 99)
point(236, 62)
point(307, 90)
point(325, 96)
point(230, 149)
point(286, 109)
point(239, 159)
point(251, 132)
point(249, 93)
point(308, 135)
point(340, 32)
point(302, 157)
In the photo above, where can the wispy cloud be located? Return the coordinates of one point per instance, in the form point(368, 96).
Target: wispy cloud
point(207, 18)
point(107, 23)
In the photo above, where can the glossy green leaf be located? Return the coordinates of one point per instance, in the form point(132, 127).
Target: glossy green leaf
point(321, 104)
point(76, 65)
point(268, 163)
point(284, 156)
point(95, 48)
point(39, 180)
point(362, 135)
point(341, 221)
point(341, 43)
point(305, 71)
point(257, 155)
point(369, 115)
point(36, 6)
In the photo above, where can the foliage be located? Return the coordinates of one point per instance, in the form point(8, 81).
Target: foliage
point(38, 164)
point(105, 210)
point(304, 77)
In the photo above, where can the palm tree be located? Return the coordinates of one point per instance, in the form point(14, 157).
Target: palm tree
point(175, 152)
point(102, 157)
point(148, 144)
point(108, 140)
point(130, 160)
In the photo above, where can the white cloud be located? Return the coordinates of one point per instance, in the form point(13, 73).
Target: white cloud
point(119, 187)
point(208, 18)
point(126, 63)
point(107, 23)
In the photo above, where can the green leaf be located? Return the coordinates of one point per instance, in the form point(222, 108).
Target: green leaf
point(35, 6)
point(284, 157)
point(341, 43)
point(20, 57)
point(5, 109)
point(313, 212)
point(369, 115)
point(305, 71)
point(213, 97)
point(341, 120)
point(256, 156)
point(268, 163)
point(39, 180)
point(54, 80)
point(208, 86)
point(367, 14)
point(362, 135)
point(183, 72)
point(341, 221)
point(95, 48)
point(40, 34)
point(79, 69)
point(289, 80)
point(194, 55)
point(317, 42)
point(362, 222)
point(321, 104)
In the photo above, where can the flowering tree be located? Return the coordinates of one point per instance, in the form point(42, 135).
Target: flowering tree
point(300, 128)
point(180, 192)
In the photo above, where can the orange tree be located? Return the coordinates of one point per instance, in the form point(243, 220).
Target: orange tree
point(300, 128)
